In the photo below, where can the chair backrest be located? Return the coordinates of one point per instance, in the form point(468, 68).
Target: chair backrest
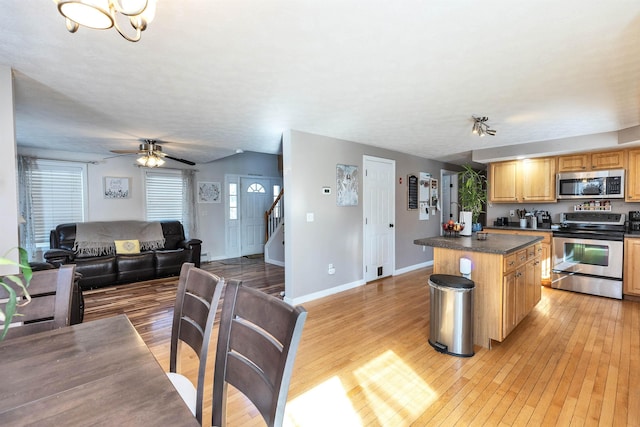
point(195, 309)
point(50, 306)
point(257, 342)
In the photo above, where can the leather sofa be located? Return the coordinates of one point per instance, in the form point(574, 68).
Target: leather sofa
point(106, 270)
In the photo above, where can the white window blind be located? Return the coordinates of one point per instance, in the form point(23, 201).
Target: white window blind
point(58, 197)
point(164, 195)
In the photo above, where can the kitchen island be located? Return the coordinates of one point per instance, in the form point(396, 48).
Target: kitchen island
point(506, 270)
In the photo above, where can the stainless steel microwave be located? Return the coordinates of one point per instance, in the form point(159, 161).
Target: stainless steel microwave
point(606, 184)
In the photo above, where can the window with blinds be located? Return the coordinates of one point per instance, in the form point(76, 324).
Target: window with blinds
point(58, 194)
point(164, 195)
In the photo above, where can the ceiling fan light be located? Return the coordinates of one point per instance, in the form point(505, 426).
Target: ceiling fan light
point(89, 13)
point(480, 127)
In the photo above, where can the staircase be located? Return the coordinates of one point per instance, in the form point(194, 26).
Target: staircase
point(274, 232)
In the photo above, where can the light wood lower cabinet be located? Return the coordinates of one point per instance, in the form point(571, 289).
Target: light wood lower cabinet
point(507, 288)
point(632, 266)
point(544, 250)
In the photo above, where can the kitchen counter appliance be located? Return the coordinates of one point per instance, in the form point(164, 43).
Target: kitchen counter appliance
point(634, 222)
point(588, 253)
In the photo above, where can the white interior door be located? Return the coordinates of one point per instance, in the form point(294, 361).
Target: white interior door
point(379, 217)
point(255, 199)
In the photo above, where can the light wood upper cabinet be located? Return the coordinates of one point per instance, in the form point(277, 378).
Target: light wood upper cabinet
point(523, 181)
point(632, 266)
point(538, 177)
point(573, 162)
point(502, 181)
point(608, 160)
point(592, 161)
point(633, 177)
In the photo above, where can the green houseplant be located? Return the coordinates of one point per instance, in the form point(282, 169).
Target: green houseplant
point(22, 283)
point(472, 192)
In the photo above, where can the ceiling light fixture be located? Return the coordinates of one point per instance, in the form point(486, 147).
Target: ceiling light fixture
point(103, 14)
point(480, 126)
point(152, 157)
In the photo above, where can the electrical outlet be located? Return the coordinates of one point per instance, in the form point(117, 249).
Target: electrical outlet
point(331, 270)
point(512, 212)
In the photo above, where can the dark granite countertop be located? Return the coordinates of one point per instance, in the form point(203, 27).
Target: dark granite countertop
point(501, 244)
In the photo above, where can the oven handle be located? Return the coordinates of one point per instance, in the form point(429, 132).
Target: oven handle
point(589, 236)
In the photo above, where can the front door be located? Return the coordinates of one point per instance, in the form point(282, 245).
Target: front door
point(379, 218)
point(255, 199)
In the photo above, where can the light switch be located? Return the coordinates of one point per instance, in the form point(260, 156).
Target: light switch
point(310, 217)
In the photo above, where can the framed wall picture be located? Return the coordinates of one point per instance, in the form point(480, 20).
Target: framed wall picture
point(117, 187)
point(347, 185)
point(209, 192)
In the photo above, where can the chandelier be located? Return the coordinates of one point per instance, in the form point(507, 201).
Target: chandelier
point(151, 156)
point(480, 126)
point(104, 14)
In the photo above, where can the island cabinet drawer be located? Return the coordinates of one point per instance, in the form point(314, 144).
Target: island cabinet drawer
point(534, 251)
point(515, 259)
point(521, 256)
point(509, 262)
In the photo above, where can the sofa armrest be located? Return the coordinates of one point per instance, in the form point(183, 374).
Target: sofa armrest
point(58, 257)
point(194, 246)
point(189, 244)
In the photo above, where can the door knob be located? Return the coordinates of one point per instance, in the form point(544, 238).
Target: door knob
point(390, 225)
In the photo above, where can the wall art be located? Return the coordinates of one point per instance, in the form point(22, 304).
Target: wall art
point(209, 192)
point(347, 185)
point(117, 187)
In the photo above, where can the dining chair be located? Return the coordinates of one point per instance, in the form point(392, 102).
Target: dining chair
point(194, 312)
point(50, 305)
point(258, 339)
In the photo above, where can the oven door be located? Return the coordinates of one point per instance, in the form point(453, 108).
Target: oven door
point(588, 256)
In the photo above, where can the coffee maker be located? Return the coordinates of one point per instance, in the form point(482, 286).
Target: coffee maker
point(634, 222)
point(544, 219)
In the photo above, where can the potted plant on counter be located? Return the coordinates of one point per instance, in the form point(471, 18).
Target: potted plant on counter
point(472, 193)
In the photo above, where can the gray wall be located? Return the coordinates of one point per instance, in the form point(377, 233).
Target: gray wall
point(336, 234)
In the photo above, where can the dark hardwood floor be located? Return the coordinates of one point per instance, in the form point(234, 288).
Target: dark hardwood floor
point(364, 359)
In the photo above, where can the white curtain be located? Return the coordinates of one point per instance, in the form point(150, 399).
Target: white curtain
point(189, 211)
point(27, 230)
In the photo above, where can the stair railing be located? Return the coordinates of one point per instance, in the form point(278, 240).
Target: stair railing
point(274, 216)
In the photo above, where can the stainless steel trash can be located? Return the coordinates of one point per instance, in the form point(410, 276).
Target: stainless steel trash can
point(451, 318)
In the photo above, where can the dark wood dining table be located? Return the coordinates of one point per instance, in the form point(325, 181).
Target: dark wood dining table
point(95, 373)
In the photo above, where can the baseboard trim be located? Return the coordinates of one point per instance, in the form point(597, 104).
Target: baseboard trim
point(413, 267)
point(323, 293)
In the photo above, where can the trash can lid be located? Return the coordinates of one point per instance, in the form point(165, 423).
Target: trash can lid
point(451, 281)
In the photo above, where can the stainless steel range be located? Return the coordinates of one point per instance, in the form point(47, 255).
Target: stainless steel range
point(588, 253)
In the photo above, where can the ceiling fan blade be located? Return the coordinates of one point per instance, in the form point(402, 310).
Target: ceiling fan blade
point(126, 151)
point(188, 162)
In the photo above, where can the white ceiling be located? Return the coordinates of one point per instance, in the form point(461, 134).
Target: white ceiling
point(210, 77)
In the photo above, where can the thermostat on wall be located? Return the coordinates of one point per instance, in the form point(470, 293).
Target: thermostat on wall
point(326, 190)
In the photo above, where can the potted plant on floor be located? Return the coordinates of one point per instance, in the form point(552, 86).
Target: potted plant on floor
point(9, 283)
point(472, 193)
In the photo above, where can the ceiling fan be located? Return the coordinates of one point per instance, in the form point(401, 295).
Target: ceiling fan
point(151, 154)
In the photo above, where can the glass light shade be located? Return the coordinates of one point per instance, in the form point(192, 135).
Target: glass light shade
point(150, 161)
point(145, 9)
point(89, 13)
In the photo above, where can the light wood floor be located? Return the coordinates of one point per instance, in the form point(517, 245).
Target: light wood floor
point(364, 359)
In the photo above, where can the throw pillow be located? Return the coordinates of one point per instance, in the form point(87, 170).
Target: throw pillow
point(127, 246)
